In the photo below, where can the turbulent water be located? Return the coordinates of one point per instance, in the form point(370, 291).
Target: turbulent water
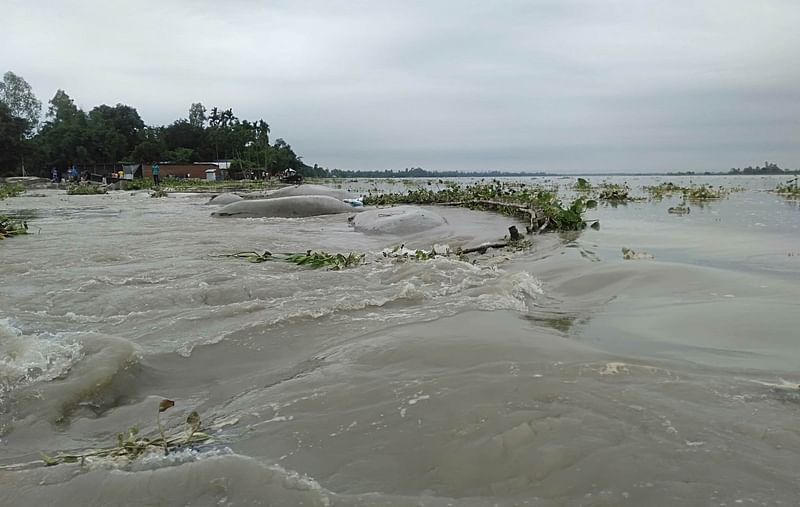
point(559, 375)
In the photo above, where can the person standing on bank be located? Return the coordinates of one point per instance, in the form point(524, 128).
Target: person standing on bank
point(156, 170)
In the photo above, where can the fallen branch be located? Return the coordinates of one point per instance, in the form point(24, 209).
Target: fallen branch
point(541, 209)
point(482, 248)
point(131, 446)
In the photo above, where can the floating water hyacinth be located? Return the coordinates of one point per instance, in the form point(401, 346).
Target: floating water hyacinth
point(540, 208)
point(10, 190)
point(10, 227)
point(614, 192)
point(790, 189)
point(324, 259)
point(311, 259)
point(630, 255)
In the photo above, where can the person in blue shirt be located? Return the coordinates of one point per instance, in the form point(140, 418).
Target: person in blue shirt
point(156, 176)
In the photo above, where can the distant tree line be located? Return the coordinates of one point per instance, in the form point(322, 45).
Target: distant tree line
point(418, 172)
point(116, 134)
point(769, 168)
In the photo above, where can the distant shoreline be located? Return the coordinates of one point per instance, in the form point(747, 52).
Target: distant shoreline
point(481, 174)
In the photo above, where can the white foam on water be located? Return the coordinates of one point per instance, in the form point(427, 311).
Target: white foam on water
point(452, 284)
point(157, 459)
point(25, 358)
point(511, 292)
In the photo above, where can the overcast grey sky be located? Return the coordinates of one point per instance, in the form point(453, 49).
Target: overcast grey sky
point(545, 85)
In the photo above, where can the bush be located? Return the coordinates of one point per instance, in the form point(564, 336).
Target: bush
point(10, 190)
point(10, 227)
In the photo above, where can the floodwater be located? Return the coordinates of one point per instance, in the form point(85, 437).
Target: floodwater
point(560, 375)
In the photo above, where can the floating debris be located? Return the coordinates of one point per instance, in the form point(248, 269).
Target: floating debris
point(323, 259)
point(11, 227)
point(129, 445)
point(614, 192)
point(85, 189)
point(629, 255)
point(790, 189)
point(615, 368)
point(10, 190)
point(311, 259)
point(679, 210)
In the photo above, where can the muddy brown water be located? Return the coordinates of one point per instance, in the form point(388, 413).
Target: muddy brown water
point(562, 375)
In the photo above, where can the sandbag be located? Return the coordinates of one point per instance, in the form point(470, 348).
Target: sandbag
point(298, 190)
point(397, 220)
point(288, 207)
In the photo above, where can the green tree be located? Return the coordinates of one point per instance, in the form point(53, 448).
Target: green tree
point(62, 108)
point(152, 148)
point(197, 115)
point(222, 133)
point(22, 105)
point(103, 142)
point(17, 94)
point(116, 133)
point(182, 134)
point(282, 157)
point(65, 138)
point(126, 123)
point(12, 131)
point(182, 155)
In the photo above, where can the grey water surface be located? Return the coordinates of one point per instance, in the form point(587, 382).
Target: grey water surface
point(558, 375)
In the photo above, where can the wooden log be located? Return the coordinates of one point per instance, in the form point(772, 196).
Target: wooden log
point(482, 248)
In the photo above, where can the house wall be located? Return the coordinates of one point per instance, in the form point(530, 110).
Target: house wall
point(180, 170)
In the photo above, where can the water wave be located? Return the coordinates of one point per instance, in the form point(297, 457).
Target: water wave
point(46, 376)
point(402, 292)
point(26, 358)
point(200, 480)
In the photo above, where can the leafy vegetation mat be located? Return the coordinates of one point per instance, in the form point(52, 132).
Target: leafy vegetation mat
point(790, 189)
point(540, 209)
point(12, 227)
point(10, 190)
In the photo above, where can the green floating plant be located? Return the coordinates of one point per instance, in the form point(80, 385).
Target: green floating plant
point(323, 259)
point(11, 227)
point(790, 189)
point(536, 205)
point(583, 185)
point(614, 192)
point(703, 192)
point(10, 190)
point(130, 445)
point(661, 190)
point(332, 261)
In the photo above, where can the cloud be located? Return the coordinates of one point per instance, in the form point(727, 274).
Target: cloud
point(560, 85)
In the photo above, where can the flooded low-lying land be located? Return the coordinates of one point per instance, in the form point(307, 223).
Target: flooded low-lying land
point(562, 374)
